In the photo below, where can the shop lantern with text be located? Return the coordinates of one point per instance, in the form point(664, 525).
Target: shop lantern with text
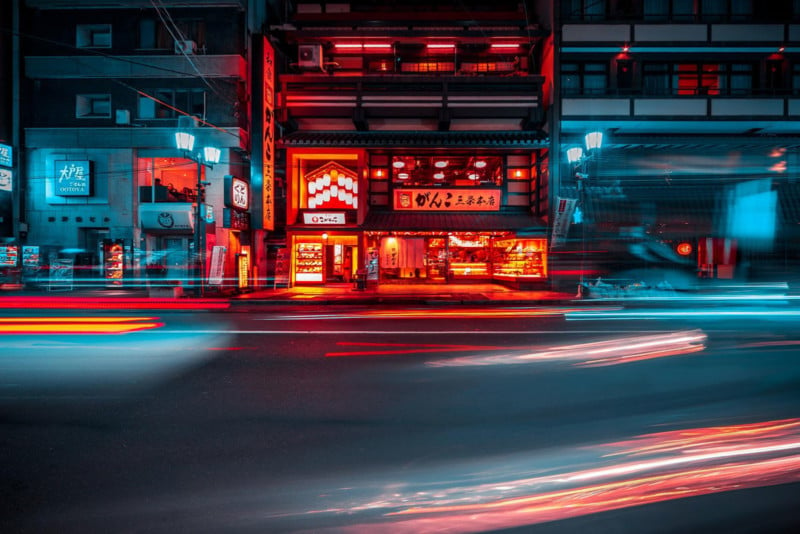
point(331, 186)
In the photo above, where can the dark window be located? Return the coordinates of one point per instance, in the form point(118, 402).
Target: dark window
point(147, 33)
point(698, 78)
point(624, 74)
point(580, 10)
point(584, 78)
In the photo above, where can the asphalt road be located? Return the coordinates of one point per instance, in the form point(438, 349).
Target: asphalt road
point(422, 419)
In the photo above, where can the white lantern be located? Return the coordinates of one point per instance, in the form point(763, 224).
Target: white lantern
point(348, 198)
point(334, 190)
point(312, 203)
point(340, 180)
point(326, 179)
point(355, 202)
point(348, 183)
point(355, 187)
point(342, 194)
point(326, 195)
point(312, 188)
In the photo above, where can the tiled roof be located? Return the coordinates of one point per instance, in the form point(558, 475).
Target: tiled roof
point(421, 139)
point(454, 221)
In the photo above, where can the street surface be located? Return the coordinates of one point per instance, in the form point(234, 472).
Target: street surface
point(414, 419)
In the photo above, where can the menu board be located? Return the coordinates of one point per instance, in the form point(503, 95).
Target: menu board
point(61, 275)
point(30, 256)
point(9, 255)
point(281, 268)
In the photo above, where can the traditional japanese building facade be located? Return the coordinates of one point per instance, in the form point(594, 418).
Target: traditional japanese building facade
point(415, 143)
point(698, 102)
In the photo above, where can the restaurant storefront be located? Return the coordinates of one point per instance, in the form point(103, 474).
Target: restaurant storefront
point(415, 219)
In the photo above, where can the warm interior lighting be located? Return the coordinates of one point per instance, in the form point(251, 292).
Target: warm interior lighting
point(379, 173)
point(440, 46)
point(441, 164)
point(480, 164)
point(438, 176)
point(473, 176)
point(349, 46)
point(518, 173)
point(377, 46)
point(398, 164)
point(402, 176)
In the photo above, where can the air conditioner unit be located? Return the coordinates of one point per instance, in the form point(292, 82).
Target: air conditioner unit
point(185, 47)
point(309, 56)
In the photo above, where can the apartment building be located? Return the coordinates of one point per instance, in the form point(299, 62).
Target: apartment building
point(698, 101)
point(106, 86)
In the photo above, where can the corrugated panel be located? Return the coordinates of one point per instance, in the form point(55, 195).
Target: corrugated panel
point(449, 222)
point(418, 139)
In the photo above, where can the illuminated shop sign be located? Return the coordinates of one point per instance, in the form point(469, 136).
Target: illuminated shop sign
point(332, 186)
point(324, 218)
point(72, 179)
point(268, 142)
point(235, 220)
point(6, 155)
point(237, 193)
point(447, 199)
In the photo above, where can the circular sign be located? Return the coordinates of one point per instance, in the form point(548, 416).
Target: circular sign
point(684, 249)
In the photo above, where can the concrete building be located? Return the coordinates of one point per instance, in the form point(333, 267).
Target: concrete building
point(105, 88)
point(698, 102)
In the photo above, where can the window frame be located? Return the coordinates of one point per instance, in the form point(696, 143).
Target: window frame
point(89, 101)
point(86, 35)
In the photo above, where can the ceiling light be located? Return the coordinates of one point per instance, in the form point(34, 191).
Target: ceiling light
point(441, 164)
point(480, 164)
point(398, 164)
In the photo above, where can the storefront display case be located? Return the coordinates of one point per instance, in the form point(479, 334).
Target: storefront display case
point(520, 261)
point(469, 257)
point(309, 262)
point(113, 262)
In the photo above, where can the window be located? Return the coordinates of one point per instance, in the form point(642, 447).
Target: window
point(93, 106)
point(447, 171)
point(583, 10)
point(192, 101)
point(93, 36)
point(584, 78)
point(796, 79)
point(147, 34)
point(669, 10)
point(698, 78)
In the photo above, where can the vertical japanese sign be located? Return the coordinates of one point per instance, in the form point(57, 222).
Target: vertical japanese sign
point(268, 142)
point(565, 207)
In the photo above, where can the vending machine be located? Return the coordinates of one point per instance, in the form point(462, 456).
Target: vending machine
point(113, 262)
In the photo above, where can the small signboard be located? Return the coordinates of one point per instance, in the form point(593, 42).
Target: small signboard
point(6, 155)
point(217, 271)
point(72, 178)
point(61, 275)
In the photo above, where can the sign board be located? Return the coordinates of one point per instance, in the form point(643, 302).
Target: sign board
point(324, 217)
point(235, 220)
point(268, 138)
point(166, 218)
point(237, 193)
point(244, 270)
point(6, 155)
point(30, 256)
point(447, 199)
point(565, 207)
point(72, 179)
point(9, 255)
point(217, 271)
point(6, 181)
point(61, 275)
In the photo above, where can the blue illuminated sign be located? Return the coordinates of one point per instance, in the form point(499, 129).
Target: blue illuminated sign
point(72, 179)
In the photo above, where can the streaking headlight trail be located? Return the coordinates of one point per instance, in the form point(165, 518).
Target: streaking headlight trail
point(608, 352)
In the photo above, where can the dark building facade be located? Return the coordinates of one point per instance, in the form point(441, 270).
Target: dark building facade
point(105, 89)
point(699, 105)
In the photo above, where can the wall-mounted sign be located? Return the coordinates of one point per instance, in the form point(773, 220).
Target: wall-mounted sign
point(216, 274)
point(235, 220)
point(72, 179)
point(6, 182)
point(268, 141)
point(237, 193)
point(6, 155)
point(565, 207)
point(324, 217)
point(9, 255)
point(166, 218)
point(447, 199)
